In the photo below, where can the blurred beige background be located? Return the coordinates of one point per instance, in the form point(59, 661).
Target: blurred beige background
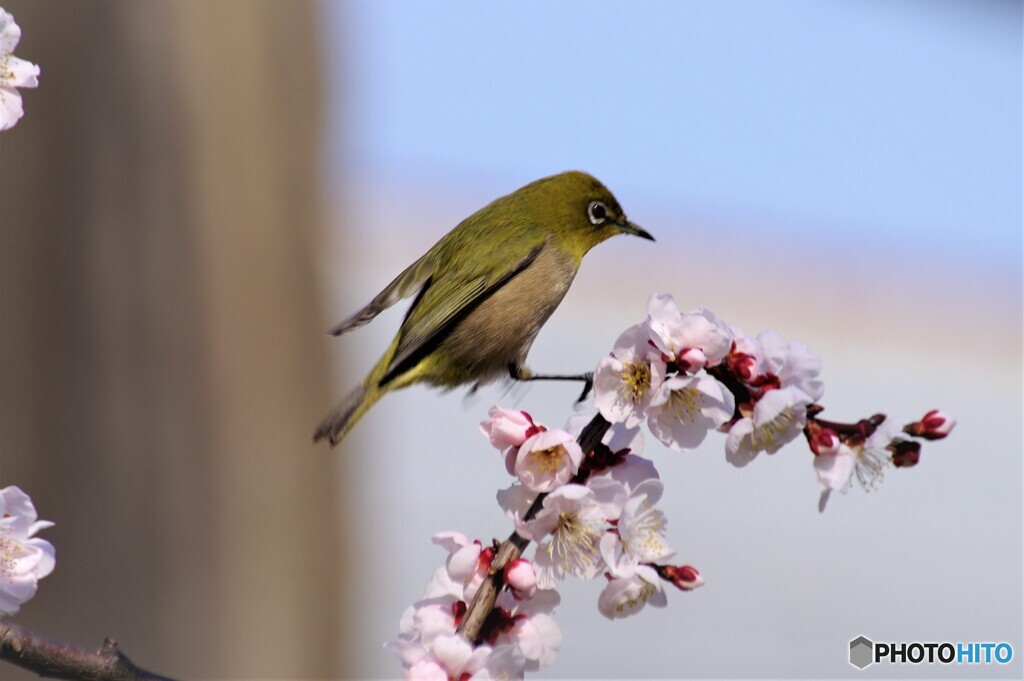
point(161, 356)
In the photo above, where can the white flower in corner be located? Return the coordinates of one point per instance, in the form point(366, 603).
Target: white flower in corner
point(14, 72)
point(24, 559)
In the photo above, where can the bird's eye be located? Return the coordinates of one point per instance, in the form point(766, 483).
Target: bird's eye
point(597, 212)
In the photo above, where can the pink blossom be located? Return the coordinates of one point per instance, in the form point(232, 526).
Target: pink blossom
point(623, 597)
point(14, 72)
point(640, 533)
point(627, 379)
point(777, 418)
point(24, 558)
point(507, 427)
point(548, 460)
point(691, 340)
point(864, 461)
point(686, 408)
point(576, 523)
point(533, 629)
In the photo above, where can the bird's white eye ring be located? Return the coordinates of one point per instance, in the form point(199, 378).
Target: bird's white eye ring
point(597, 212)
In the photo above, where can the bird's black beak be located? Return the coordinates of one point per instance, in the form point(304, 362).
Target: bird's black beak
point(627, 227)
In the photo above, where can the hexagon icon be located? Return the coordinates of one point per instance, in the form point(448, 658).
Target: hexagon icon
point(861, 652)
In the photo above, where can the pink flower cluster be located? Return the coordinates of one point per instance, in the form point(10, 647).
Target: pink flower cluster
point(594, 513)
point(686, 373)
point(599, 515)
point(520, 634)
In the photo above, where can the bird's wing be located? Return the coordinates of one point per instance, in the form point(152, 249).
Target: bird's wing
point(405, 284)
point(443, 301)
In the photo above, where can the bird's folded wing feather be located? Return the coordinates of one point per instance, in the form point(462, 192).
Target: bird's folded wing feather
point(405, 284)
point(445, 298)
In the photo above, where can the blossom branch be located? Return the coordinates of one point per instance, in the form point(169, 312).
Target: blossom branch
point(512, 548)
point(590, 502)
point(48, 658)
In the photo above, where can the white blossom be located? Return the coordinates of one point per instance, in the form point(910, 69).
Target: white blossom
point(628, 596)
point(14, 72)
point(686, 408)
point(626, 380)
point(24, 558)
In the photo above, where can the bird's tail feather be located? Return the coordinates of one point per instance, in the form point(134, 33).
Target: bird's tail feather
point(339, 422)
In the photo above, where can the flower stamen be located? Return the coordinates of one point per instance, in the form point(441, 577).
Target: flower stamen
point(636, 380)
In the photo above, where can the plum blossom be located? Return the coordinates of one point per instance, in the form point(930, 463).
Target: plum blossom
point(626, 380)
point(14, 72)
point(744, 358)
point(430, 618)
point(445, 657)
point(632, 471)
point(864, 460)
point(503, 662)
point(640, 533)
point(24, 558)
point(594, 512)
point(627, 596)
point(618, 438)
point(508, 427)
point(792, 364)
point(777, 418)
point(547, 460)
point(520, 635)
point(575, 522)
point(467, 564)
point(686, 408)
point(532, 627)
point(516, 500)
point(690, 341)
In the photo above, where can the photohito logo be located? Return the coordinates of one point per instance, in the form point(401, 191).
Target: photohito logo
point(864, 652)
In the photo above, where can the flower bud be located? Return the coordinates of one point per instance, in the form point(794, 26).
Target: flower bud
point(683, 577)
point(508, 427)
point(823, 441)
point(934, 426)
point(521, 578)
point(742, 365)
point(905, 453)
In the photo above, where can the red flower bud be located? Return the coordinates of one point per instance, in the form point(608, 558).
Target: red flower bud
point(934, 426)
point(905, 453)
point(683, 577)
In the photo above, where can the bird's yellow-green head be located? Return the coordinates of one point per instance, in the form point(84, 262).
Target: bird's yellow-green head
point(576, 208)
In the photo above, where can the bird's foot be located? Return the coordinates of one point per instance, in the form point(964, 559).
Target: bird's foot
point(519, 373)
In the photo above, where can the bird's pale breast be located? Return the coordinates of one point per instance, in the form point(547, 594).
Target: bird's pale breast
point(502, 327)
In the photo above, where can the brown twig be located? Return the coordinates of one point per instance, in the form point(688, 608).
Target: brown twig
point(25, 648)
point(513, 547)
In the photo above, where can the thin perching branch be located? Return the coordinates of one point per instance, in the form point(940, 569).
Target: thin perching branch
point(513, 547)
point(48, 658)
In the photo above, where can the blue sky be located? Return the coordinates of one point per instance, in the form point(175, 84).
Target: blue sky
point(896, 121)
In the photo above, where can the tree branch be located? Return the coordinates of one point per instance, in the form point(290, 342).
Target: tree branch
point(25, 648)
point(513, 547)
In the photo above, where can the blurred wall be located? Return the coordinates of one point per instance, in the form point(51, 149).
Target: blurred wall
point(162, 362)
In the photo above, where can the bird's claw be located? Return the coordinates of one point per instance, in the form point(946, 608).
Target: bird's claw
point(588, 385)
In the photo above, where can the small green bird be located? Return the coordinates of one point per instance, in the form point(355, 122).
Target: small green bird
point(484, 290)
